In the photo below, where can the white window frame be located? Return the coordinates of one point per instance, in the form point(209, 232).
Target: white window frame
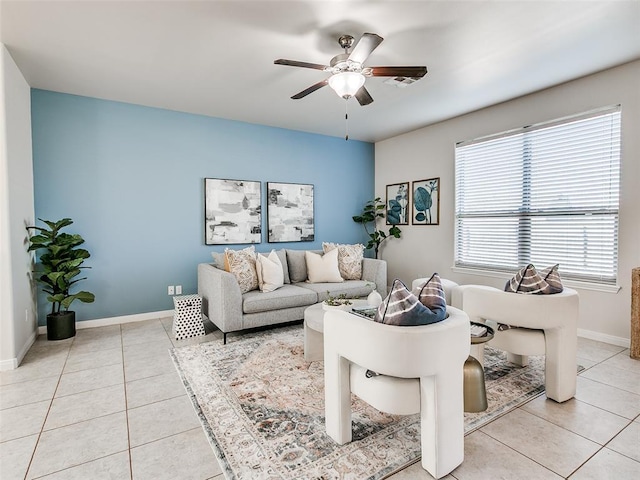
point(468, 152)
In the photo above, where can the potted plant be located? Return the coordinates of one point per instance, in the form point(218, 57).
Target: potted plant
point(340, 302)
point(60, 263)
point(372, 211)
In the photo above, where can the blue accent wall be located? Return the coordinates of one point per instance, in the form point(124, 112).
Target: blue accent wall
point(131, 178)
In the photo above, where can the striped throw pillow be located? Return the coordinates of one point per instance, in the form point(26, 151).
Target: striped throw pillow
point(529, 281)
point(552, 277)
point(431, 295)
point(401, 307)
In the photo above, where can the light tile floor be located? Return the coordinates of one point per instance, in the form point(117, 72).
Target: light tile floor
point(108, 404)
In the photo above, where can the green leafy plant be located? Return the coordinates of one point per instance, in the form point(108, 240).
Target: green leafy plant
point(339, 300)
point(59, 264)
point(371, 212)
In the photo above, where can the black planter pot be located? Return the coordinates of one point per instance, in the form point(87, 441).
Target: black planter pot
point(61, 325)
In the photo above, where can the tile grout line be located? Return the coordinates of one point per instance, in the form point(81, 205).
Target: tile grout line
point(129, 448)
point(526, 456)
point(199, 428)
point(600, 447)
point(126, 404)
point(77, 465)
point(44, 422)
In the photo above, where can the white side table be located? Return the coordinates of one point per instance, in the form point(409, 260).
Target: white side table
point(314, 328)
point(187, 317)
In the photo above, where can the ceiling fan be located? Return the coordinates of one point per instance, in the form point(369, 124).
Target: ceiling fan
point(348, 72)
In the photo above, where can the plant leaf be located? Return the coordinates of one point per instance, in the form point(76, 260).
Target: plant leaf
point(421, 197)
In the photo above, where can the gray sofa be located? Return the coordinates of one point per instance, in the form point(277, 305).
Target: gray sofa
point(232, 311)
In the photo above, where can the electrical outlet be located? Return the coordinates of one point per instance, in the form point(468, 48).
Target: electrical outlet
point(178, 289)
point(170, 290)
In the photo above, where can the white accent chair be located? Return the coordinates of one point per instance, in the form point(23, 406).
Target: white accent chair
point(447, 286)
point(420, 371)
point(547, 325)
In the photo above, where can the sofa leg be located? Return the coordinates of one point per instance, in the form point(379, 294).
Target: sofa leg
point(224, 338)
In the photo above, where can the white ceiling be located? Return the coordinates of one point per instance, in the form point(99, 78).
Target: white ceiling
point(216, 57)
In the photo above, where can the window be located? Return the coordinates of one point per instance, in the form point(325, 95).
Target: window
point(543, 194)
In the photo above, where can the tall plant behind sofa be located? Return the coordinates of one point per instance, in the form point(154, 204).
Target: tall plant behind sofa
point(371, 212)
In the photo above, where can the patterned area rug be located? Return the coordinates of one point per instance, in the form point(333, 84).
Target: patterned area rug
point(262, 407)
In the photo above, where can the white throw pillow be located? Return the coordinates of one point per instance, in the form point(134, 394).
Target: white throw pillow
point(270, 273)
point(323, 268)
point(349, 259)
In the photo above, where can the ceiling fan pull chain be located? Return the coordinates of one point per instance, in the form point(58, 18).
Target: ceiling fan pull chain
point(346, 120)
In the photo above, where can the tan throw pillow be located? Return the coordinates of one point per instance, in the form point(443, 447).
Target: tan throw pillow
point(270, 273)
point(323, 268)
point(349, 259)
point(242, 263)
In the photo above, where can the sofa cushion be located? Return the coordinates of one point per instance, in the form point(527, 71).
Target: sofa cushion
point(297, 265)
point(282, 255)
point(218, 260)
point(349, 259)
point(351, 288)
point(269, 270)
point(323, 268)
point(287, 296)
point(242, 263)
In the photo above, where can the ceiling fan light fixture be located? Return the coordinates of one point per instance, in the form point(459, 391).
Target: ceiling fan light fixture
point(346, 84)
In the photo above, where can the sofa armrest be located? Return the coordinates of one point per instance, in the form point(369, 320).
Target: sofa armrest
point(374, 270)
point(221, 297)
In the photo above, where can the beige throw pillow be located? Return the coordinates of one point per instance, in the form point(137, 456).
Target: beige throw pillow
point(242, 263)
point(349, 259)
point(323, 268)
point(270, 273)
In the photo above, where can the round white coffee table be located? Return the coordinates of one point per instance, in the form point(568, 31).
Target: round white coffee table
point(314, 328)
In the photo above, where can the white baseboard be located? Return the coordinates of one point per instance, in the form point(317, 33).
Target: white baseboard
point(603, 337)
point(12, 363)
point(104, 322)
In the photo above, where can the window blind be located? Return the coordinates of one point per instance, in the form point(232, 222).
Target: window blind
point(542, 194)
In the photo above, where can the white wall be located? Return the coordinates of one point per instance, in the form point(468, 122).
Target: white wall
point(429, 152)
point(17, 319)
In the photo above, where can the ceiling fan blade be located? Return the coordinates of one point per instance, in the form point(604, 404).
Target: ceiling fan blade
point(294, 63)
point(363, 96)
point(309, 90)
point(411, 72)
point(367, 44)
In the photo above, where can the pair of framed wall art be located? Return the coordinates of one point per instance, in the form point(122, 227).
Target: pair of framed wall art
point(421, 203)
point(233, 212)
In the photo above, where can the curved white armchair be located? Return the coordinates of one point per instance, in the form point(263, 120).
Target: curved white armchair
point(548, 326)
point(420, 371)
point(447, 286)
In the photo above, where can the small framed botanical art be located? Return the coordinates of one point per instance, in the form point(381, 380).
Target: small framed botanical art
point(397, 206)
point(290, 212)
point(425, 208)
point(232, 211)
